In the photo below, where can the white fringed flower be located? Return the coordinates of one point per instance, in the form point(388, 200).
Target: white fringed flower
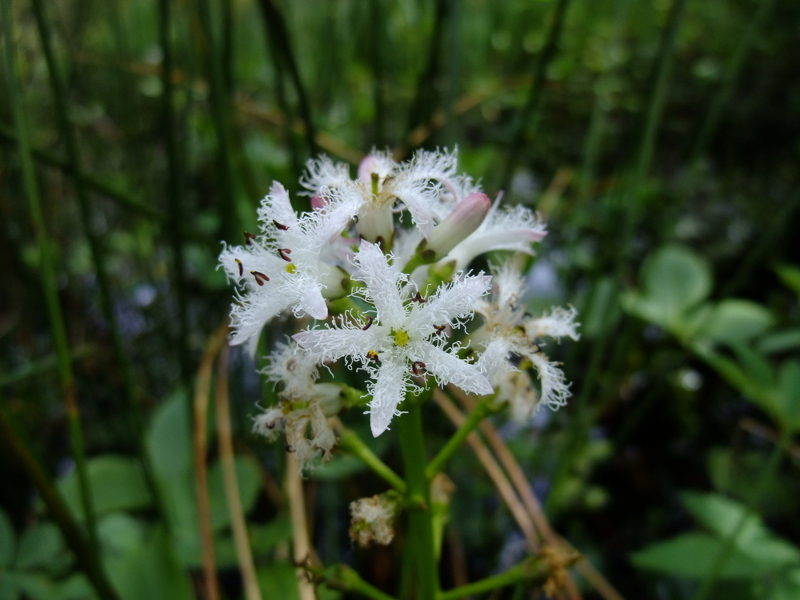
point(304, 406)
point(508, 331)
point(287, 266)
point(404, 336)
point(372, 519)
point(514, 228)
point(428, 186)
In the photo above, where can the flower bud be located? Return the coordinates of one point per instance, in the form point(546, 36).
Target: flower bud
point(465, 218)
point(373, 519)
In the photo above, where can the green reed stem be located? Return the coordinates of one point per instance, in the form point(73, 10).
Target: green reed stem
point(420, 528)
point(175, 196)
point(533, 571)
point(278, 35)
point(378, 78)
point(43, 366)
point(482, 409)
point(729, 545)
point(86, 557)
point(527, 116)
point(47, 268)
point(350, 442)
point(120, 197)
point(655, 109)
point(426, 98)
point(95, 243)
point(723, 95)
point(220, 116)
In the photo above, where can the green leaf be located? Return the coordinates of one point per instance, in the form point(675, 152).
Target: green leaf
point(264, 538)
point(758, 369)
point(674, 280)
point(76, 587)
point(779, 341)
point(790, 275)
point(117, 483)
point(280, 579)
point(692, 555)
point(603, 308)
point(32, 586)
point(169, 438)
point(151, 571)
point(8, 590)
point(39, 546)
point(7, 540)
point(786, 587)
point(248, 478)
point(735, 320)
point(789, 398)
point(120, 534)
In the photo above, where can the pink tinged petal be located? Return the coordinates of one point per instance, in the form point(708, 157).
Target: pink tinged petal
point(381, 281)
point(448, 368)
point(331, 344)
point(455, 300)
point(387, 392)
point(379, 163)
point(313, 303)
point(464, 219)
point(318, 202)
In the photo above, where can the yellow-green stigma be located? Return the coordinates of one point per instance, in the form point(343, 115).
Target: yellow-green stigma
point(290, 268)
point(400, 337)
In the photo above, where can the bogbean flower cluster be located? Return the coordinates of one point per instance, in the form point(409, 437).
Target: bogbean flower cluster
point(377, 273)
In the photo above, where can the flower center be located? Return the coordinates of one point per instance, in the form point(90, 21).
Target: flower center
point(290, 268)
point(400, 337)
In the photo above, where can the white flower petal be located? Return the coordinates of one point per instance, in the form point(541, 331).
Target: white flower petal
point(451, 302)
point(555, 389)
point(322, 173)
point(387, 392)
point(449, 368)
point(557, 323)
point(249, 317)
point(331, 343)
point(381, 281)
point(277, 207)
point(313, 304)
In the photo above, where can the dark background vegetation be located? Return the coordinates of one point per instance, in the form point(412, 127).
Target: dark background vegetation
point(628, 125)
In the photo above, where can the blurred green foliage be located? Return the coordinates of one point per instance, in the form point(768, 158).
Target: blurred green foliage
point(675, 245)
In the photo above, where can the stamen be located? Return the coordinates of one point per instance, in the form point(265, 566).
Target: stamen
point(280, 226)
point(440, 329)
point(260, 277)
point(284, 254)
point(373, 356)
point(418, 298)
point(248, 237)
point(368, 325)
point(241, 267)
point(416, 366)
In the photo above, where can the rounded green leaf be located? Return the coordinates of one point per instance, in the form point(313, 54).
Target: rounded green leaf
point(169, 439)
point(788, 408)
point(39, 546)
point(117, 483)
point(735, 320)
point(7, 540)
point(248, 479)
point(674, 280)
point(693, 555)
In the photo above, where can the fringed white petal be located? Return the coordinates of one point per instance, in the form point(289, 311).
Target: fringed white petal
point(555, 389)
point(557, 323)
point(277, 207)
point(387, 392)
point(449, 368)
point(381, 281)
point(452, 302)
point(322, 173)
point(331, 344)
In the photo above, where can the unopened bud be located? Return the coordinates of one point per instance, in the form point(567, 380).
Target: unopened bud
point(465, 218)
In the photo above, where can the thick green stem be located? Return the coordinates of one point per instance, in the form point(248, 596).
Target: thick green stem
point(47, 268)
point(478, 414)
point(420, 527)
point(533, 571)
point(349, 441)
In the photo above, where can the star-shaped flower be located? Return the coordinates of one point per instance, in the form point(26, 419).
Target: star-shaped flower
point(405, 337)
point(508, 330)
point(428, 186)
point(287, 266)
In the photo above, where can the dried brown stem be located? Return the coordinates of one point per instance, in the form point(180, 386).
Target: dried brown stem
point(225, 438)
point(200, 405)
point(297, 511)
